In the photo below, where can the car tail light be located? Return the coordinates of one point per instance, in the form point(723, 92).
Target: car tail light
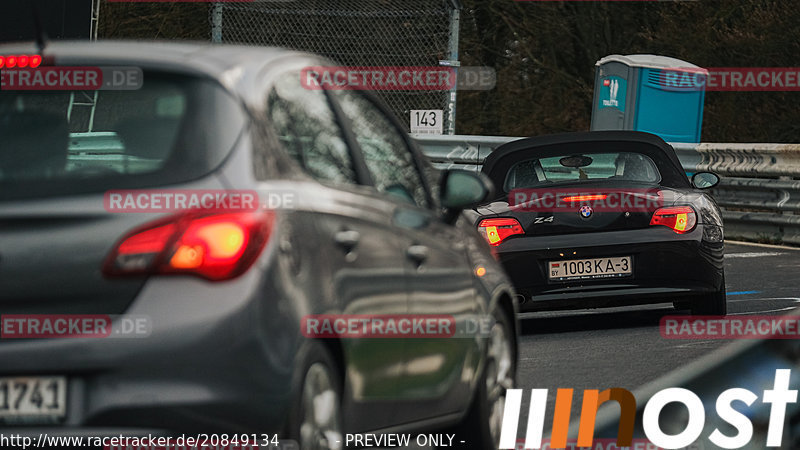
point(584, 198)
point(21, 61)
point(681, 219)
point(497, 230)
point(212, 246)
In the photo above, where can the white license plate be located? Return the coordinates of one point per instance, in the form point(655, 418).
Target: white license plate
point(588, 269)
point(32, 399)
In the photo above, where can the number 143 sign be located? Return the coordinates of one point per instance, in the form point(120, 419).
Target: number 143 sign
point(427, 121)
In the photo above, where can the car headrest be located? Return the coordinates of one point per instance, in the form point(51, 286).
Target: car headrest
point(33, 144)
point(637, 168)
point(151, 138)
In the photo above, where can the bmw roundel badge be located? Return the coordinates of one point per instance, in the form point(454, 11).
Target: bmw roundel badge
point(586, 211)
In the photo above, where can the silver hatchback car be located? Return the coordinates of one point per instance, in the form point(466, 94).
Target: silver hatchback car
point(351, 221)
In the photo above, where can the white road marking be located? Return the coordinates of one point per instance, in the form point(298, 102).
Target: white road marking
point(699, 343)
point(788, 308)
point(753, 254)
point(756, 244)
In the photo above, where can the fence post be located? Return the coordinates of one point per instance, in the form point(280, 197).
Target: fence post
point(455, 26)
point(216, 23)
point(94, 24)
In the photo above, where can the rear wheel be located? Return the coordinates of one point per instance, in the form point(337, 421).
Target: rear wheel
point(715, 304)
point(316, 418)
point(481, 426)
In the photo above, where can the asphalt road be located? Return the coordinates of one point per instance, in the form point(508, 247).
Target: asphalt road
point(623, 347)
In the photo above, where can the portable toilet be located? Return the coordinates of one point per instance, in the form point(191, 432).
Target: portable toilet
point(651, 93)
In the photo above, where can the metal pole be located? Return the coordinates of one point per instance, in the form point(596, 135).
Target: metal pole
point(216, 23)
point(94, 24)
point(455, 22)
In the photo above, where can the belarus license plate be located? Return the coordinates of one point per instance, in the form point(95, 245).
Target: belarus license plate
point(32, 399)
point(588, 269)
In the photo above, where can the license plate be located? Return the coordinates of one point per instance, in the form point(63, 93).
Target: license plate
point(589, 269)
point(32, 399)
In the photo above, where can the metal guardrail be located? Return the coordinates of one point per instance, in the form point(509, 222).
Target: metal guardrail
point(759, 193)
point(751, 160)
point(468, 152)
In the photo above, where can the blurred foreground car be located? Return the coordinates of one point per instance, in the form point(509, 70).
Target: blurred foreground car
point(353, 221)
point(586, 220)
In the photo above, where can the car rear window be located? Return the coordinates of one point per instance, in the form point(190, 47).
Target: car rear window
point(624, 166)
point(173, 129)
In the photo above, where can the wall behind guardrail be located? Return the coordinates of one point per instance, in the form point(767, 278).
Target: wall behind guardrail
point(759, 192)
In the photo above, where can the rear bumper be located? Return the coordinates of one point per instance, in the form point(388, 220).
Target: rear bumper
point(666, 267)
point(219, 358)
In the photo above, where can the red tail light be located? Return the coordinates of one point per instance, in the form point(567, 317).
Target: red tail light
point(497, 230)
point(585, 198)
point(211, 246)
point(21, 61)
point(682, 219)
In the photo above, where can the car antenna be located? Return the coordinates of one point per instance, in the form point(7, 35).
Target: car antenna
point(41, 35)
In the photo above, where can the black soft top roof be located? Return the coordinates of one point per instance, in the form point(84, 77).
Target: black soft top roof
point(500, 161)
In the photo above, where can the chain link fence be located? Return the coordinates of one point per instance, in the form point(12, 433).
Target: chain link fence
point(354, 33)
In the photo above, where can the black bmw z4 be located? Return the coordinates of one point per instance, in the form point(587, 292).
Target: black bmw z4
point(601, 219)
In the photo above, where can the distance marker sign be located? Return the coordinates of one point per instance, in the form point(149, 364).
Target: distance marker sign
point(427, 121)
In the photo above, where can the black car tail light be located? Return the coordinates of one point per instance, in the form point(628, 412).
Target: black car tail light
point(499, 229)
point(584, 198)
point(217, 246)
point(682, 219)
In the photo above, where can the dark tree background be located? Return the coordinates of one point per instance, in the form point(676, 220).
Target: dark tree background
point(167, 20)
point(544, 54)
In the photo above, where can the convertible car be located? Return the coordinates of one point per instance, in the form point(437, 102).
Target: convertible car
point(597, 219)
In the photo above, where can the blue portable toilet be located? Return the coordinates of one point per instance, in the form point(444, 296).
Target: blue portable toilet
point(651, 93)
